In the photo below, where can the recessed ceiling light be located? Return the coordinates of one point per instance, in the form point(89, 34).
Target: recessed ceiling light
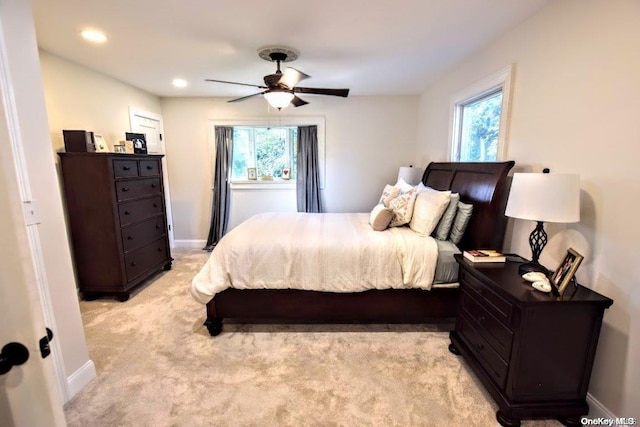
point(179, 83)
point(94, 36)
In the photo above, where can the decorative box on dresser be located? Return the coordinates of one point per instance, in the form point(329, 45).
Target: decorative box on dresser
point(531, 350)
point(116, 209)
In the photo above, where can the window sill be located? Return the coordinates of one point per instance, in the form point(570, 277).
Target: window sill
point(276, 184)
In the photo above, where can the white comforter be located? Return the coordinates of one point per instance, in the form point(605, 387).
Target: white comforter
point(336, 252)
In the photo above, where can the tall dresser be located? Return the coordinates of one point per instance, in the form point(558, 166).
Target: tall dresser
point(116, 209)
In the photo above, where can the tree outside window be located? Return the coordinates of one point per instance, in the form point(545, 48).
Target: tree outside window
point(268, 149)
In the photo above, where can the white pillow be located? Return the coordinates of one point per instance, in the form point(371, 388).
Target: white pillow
point(421, 187)
point(388, 194)
point(380, 217)
point(428, 209)
point(402, 208)
point(403, 186)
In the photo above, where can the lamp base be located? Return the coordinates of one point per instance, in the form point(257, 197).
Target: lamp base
point(532, 266)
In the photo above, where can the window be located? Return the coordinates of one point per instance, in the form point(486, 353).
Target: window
point(480, 119)
point(268, 149)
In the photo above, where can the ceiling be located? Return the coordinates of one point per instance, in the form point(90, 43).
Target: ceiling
point(373, 47)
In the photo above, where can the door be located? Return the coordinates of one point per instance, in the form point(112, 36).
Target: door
point(29, 393)
point(150, 124)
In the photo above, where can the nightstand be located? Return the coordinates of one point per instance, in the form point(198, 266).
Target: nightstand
point(532, 351)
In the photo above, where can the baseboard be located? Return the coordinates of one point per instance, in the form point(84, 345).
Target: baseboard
point(190, 243)
point(597, 409)
point(79, 379)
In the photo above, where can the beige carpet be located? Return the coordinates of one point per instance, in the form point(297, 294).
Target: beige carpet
point(158, 366)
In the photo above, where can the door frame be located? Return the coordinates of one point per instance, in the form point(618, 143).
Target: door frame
point(137, 112)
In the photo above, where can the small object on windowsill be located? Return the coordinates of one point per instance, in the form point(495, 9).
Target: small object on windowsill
point(484, 255)
point(266, 178)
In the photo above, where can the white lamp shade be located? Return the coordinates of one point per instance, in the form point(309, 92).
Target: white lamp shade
point(410, 175)
point(546, 197)
point(278, 99)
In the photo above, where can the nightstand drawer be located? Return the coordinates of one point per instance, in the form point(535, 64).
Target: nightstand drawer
point(498, 335)
point(131, 212)
point(495, 304)
point(482, 351)
point(131, 189)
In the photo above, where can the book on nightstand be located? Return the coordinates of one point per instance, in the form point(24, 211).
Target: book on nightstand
point(484, 255)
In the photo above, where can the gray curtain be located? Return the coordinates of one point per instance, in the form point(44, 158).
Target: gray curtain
point(221, 193)
point(308, 176)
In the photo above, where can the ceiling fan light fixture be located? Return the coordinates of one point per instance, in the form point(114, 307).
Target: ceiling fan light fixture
point(279, 99)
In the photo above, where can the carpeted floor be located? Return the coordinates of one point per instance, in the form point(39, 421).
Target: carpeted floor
point(158, 366)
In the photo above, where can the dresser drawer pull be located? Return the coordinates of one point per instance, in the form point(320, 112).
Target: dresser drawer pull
point(127, 213)
point(129, 237)
point(158, 227)
point(153, 186)
point(159, 249)
point(155, 205)
point(133, 264)
point(481, 319)
point(149, 168)
point(125, 189)
point(126, 168)
point(479, 347)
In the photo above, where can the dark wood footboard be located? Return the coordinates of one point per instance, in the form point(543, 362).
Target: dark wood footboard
point(290, 305)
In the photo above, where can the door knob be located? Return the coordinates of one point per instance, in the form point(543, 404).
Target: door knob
point(13, 354)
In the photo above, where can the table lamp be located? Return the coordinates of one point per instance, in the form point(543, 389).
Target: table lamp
point(543, 197)
point(410, 175)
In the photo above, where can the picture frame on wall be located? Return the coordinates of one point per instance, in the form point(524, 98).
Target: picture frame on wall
point(562, 276)
point(252, 174)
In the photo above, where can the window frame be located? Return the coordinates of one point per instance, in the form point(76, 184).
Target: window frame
point(266, 122)
point(498, 81)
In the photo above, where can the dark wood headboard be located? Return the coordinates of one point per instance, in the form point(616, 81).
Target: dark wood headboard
point(485, 186)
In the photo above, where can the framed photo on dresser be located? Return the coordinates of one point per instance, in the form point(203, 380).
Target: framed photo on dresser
point(566, 270)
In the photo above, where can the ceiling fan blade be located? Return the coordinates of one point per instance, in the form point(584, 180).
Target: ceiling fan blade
point(291, 77)
point(317, 91)
point(235, 83)
point(247, 97)
point(297, 102)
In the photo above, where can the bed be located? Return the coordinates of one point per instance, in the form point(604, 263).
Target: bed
point(388, 300)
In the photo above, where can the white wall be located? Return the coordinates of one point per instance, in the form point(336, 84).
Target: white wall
point(367, 139)
point(575, 109)
point(79, 98)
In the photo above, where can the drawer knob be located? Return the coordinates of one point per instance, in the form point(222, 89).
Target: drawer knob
point(125, 189)
point(149, 168)
point(153, 186)
point(158, 226)
point(127, 213)
point(159, 249)
point(479, 347)
point(133, 264)
point(126, 168)
point(155, 205)
point(129, 237)
point(481, 319)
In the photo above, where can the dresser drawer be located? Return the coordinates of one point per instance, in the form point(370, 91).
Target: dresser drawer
point(143, 233)
point(149, 167)
point(495, 304)
point(127, 190)
point(125, 168)
point(131, 212)
point(482, 351)
point(141, 260)
point(491, 329)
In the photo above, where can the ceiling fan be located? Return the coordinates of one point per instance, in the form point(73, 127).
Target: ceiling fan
point(281, 89)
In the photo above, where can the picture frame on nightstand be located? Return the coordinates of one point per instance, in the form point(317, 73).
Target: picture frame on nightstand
point(562, 276)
